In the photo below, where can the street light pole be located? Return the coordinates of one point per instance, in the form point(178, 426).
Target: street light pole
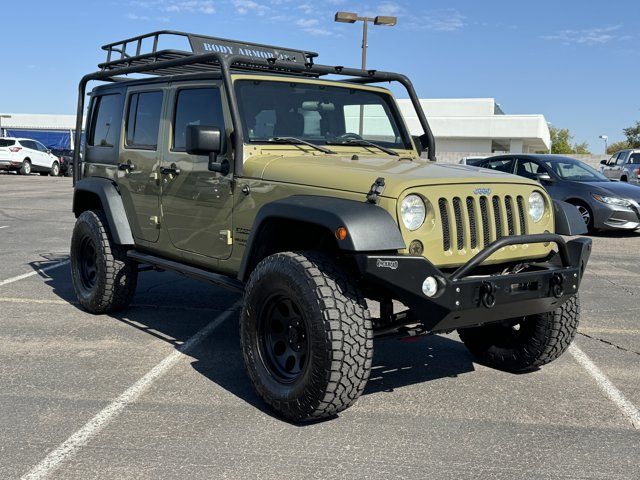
point(605, 138)
point(350, 17)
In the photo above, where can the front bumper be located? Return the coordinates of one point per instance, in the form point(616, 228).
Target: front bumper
point(613, 217)
point(465, 300)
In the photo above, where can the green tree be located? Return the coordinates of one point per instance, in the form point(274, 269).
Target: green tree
point(561, 140)
point(633, 135)
point(581, 148)
point(616, 147)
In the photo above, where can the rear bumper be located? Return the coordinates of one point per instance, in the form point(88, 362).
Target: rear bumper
point(465, 300)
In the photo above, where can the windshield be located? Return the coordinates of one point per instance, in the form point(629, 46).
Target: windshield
point(318, 113)
point(573, 170)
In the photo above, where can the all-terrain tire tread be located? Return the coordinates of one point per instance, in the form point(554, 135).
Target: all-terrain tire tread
point(120, 278)
point(348, 334)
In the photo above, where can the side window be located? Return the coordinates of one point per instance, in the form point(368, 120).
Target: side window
point(621, 158)
point(40, 147)
point(196, 106)
point(26, 144)
point(143, 120)
point(105, 123)
point(635, 158)
point(529, 169)
point(500, 164)
point(612, 160)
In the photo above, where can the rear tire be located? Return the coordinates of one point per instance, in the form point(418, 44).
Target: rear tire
point(25, 169)
point(306, 336)
point(104, 279)
point(539, 340)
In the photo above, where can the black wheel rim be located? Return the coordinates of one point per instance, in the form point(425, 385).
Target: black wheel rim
point(283, 337)
point(513, 333)
point(87, 264)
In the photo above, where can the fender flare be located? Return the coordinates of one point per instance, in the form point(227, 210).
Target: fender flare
point(568, 220)
point(112, 206)
point(370, 228)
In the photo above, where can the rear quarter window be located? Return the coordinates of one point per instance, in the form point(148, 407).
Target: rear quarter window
point(104, 127)
point(7, 143)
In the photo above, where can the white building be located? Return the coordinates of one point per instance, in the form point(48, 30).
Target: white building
point(478, 125)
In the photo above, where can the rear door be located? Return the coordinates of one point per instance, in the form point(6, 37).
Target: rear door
point(616, 170)
point(44, 160)
point(139, 159)
point(196, 203)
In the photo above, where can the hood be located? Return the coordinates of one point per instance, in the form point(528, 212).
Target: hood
point(342, 173)
point(617, 189)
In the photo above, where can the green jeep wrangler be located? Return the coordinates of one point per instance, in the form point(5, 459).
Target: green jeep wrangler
point(251, 167)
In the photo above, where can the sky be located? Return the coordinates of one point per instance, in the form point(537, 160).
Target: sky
point(576, 62)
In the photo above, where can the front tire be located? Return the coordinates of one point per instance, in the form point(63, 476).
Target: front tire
point(54, 171)
point(526, 343)
point(306, 336)
point(104, 279)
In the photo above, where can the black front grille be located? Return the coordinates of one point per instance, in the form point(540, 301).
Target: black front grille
point(484, 210)
point(513, 217)
point(457, 211)
point(473, 228)
point(446, 232)
point(497, 216)
point(508, 203)
point(521, 214)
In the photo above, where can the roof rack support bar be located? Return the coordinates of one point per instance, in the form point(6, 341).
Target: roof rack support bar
point(238, 142)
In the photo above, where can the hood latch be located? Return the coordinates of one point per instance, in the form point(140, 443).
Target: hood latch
point(376, 190)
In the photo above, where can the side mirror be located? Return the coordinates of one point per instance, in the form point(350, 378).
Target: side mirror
point(603, 162)
point(544, 177)
point(207, 140)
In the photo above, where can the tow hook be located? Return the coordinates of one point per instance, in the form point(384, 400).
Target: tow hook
point(488, 294)
point(557, 288)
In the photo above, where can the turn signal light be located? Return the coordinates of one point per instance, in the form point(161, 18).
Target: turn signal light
point(341, 233)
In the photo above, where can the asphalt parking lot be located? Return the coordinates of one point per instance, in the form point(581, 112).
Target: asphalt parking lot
point(142, 394)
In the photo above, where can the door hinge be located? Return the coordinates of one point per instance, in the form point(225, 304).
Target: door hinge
point(225, 236)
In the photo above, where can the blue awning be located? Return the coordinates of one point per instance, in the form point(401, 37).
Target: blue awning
point(49, 138)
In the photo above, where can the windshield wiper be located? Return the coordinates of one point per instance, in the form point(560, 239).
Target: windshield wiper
point(366, 143)
point(299, 141)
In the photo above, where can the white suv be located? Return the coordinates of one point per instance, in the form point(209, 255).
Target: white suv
point(26, 156)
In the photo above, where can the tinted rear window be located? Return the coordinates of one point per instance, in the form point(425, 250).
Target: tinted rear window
point(105, 125)
point(143, 120)
point(6, 143)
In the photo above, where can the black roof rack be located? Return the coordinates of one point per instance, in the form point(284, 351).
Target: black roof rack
point(135, 52)
point(211, 54)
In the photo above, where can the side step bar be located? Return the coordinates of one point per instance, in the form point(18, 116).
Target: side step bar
point(199, 274)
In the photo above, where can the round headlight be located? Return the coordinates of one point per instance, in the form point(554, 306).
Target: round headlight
point(413, 212)
point(536, 206)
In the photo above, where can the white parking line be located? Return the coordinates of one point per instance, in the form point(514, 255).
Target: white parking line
point(31, 274)
point(5, 226)
point(92, 428)
point(627, 408)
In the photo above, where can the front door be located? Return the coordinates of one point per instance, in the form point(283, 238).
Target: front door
point(196, 203)
point(139, 160)
point(607, 170)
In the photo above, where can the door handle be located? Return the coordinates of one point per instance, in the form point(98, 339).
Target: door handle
point(126, 166)
point(171, 170)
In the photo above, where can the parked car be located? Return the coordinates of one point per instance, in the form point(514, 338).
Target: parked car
point(65, 157)
point(27, 156)
point(623, 165)
point(603, 203)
